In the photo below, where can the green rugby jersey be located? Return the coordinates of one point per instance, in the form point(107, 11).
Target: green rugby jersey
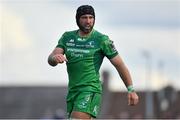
point(85, 56)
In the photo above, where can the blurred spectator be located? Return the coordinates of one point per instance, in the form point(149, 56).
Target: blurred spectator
point(59, 114)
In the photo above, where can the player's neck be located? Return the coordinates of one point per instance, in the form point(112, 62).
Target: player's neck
point(84, 34)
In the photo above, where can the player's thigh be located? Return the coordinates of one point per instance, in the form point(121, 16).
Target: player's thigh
point(80, 115)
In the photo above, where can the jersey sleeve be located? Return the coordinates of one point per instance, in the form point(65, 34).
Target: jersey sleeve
point(61, 42)
point(108, 48)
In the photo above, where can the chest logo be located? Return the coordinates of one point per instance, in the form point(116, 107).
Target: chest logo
point(90, 44)
point(71, 40)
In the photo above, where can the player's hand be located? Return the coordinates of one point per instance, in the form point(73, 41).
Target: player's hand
point(59, 58)
point(133, 99)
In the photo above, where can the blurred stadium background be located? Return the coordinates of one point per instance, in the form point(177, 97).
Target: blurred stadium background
point(146, 34)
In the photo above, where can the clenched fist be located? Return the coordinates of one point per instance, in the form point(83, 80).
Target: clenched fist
point(133, 98)
point(59, 58)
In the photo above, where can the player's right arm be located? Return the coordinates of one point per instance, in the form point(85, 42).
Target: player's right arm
point(57, 56)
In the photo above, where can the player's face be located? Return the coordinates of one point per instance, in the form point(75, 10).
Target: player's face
point(86, 23)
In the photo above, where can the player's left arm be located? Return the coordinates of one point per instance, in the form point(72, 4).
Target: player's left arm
point(126, 77)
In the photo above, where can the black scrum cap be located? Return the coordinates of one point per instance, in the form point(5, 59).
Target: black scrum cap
point(82, 10)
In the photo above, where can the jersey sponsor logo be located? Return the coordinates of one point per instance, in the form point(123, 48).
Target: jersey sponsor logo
point(74, 52)
point(77, 50)
point(77, 45)
point(77, 55)
point(87, 45)
point(70, 44)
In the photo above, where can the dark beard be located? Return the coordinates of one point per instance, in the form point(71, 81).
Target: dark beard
point(86, 30)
